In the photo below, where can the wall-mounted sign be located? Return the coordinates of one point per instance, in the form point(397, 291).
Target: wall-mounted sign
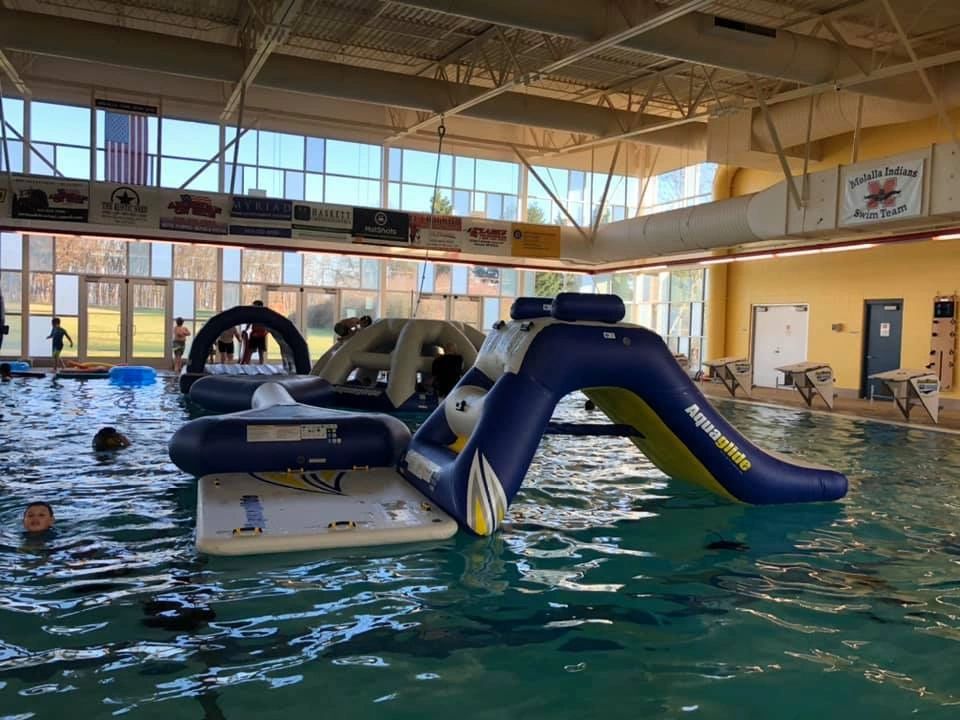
point(311, 220)
point(188, 211)
point(37, 198)
point(266, 217)
point(381, 227)
point(889, 191)
point(124, 205)
point(126, 107)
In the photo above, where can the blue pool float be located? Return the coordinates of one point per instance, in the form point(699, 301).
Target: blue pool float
point(132, 375)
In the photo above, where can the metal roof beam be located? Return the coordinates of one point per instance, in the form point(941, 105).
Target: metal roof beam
point(645, 26)
point(264, 41)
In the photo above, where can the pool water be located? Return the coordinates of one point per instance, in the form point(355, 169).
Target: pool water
point(602, 598)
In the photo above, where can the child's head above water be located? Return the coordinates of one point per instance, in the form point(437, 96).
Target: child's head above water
point(109, 438)
point(5, 371)
point(38, 517)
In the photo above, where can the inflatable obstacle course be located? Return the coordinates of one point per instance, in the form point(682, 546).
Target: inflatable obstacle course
point(471, 455)
point(381, 368)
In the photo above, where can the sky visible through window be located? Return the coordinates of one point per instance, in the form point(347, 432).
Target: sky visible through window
point(325, 170)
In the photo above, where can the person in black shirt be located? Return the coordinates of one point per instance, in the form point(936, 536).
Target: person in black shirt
point(446, 370)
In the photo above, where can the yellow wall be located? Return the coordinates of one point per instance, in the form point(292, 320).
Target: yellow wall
point(835, 285)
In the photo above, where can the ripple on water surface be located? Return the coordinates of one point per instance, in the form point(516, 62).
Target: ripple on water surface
point(612, 591)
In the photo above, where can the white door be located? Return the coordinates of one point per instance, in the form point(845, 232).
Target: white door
point(779, 338)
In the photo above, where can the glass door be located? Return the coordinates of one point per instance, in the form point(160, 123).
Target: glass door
point(432, 307)
point(149, 326)
point(286, 301)
point(319, 316)
point(102, 320)
point(466, 310)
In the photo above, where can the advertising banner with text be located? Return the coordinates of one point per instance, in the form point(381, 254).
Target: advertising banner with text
point(38, 198)
point(188, 211)
point(125, 206)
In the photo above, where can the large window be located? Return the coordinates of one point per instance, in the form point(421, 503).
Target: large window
point(465, 186)
point(681, 188)
point(671, 303)
point(186, 147)
point(303, 168)
point(60, 136)
point(13, 114)
point(581, 193)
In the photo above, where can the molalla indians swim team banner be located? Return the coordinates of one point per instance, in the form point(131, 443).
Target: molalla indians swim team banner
point(886, 191)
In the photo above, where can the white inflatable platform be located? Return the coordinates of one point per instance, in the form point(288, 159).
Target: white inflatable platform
point(256, 513)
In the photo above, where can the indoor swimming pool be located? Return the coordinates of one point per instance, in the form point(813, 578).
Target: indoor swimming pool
point(612, 592)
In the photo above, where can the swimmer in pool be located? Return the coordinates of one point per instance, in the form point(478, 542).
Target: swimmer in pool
point(38, 517)
point(109, 438)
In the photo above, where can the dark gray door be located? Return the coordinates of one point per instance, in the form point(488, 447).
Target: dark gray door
point(884, 323)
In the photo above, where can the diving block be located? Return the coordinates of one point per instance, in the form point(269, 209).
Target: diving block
point(734, 373)
point(913, 387)
point(811, 379)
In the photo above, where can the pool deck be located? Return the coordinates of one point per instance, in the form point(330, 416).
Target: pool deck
point(880, 410)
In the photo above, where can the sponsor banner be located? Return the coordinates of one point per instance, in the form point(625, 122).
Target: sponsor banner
point(381, 227)
point(437, 232)
point(126, 107)
point(311, 220)
point(267, 217)
point(126, 205)
point(487, 237)
point(36, 198)
point(888, 191)
point(537, 241)
point(188, 211)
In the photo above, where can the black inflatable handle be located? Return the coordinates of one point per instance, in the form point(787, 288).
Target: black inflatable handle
point(276, 323)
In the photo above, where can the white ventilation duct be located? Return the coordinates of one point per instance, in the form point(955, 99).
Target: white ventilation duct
point(770, 215)
point(95, 42)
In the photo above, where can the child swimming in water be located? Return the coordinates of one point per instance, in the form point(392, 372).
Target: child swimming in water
point(38, 517)
point(109, 438)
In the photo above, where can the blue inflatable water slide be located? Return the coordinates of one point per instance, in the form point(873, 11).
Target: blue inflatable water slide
point(472, 453)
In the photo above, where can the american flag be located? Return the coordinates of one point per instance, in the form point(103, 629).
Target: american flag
point(126, 139)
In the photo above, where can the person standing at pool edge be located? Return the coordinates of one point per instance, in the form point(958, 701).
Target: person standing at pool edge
point(256, 340)
point(180, 334)
point(57, 334)
point(225, 345)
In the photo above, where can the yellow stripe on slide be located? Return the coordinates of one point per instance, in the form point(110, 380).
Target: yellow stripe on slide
point(660, 444)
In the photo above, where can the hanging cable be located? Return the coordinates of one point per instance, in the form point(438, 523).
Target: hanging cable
point(441, 131)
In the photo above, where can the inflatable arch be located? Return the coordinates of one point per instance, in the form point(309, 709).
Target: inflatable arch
point(471, 455)
point(293, 347)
